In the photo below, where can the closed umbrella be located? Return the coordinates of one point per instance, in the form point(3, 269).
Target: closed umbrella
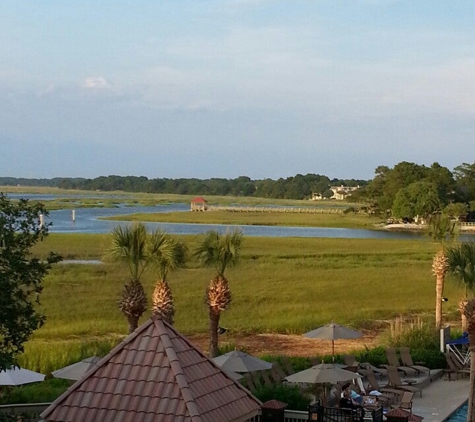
point(76, 370)
point(19, 376)
point(333, 332)
point(237, 361)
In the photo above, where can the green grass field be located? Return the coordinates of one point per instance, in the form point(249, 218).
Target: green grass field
point(283, 285)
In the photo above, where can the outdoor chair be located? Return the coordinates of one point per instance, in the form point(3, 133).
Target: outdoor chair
point(406, 360)
point(393, 360)
point(406, 401)
point(276, 367)
point(287, 365)
point(396, 382)
point(388, 395)
point(453, 368)
point(351, 362)
point(249, 383)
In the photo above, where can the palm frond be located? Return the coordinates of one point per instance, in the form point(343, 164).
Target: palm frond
point(461, 263)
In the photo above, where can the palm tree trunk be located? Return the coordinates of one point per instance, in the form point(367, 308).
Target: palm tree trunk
point(133, 323)
point(439, 291)
point(469, 312)
point(214, 315)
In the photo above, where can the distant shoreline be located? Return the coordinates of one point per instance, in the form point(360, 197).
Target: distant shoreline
point(421, 227)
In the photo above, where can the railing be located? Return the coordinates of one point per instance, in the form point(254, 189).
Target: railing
point(289, 416)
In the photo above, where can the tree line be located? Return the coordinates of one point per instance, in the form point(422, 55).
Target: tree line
point(410, 190)
point(294, 187)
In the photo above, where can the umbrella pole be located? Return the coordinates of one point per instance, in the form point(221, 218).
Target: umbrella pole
point(333, 351)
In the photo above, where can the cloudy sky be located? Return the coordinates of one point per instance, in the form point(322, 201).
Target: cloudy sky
point(224, 88)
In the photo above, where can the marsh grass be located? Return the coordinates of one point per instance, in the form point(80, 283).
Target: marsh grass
point(326, 219)
point(282, 285)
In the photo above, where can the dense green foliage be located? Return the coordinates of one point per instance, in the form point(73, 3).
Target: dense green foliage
point(43, 392)
point(292, 395)
point(409, 190)
point(295, 187)
point(21, 275)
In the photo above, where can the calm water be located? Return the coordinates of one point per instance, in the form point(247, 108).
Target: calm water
point(88, 221)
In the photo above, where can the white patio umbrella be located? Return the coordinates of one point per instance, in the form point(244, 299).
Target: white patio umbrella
point(333, 332)
point(76, 370)
point(19, 376)
point(237, 361)
point(324, 373)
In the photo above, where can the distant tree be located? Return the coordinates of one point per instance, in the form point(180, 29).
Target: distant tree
point(457, 211)
point(465, 181)
point(21, 275)
point(218, 251)
point(417, 199)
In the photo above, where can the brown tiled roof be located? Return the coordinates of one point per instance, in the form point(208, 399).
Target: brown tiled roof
point(155, 374)
point(198, 199)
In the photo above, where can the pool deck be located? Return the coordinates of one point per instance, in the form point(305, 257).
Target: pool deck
point(440, 399)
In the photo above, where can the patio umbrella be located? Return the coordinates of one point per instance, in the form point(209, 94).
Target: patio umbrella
point(325, 373)
point(76, 370)
point(333, 332)
point(19, 376)
point(237, 361)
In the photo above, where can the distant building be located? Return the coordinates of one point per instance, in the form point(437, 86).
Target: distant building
point(199, 204)
point(339, 193)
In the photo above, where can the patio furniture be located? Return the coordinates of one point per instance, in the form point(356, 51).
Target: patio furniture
point(406, 360)
point(453, 368)
point(406, 401)
point(393, 360)
point(351, 361)
point(396, 382)
point(386, 394)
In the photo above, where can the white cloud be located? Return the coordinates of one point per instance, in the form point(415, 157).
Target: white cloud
point(97, 82)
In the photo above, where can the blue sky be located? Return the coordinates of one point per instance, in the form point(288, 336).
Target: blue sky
point(261, 88)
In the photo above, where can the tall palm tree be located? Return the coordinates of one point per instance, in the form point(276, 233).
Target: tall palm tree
point(442, 230)
point(469, 312)
point(129, 247)
point(461, 265)
point(166, 254)
point(218, 251)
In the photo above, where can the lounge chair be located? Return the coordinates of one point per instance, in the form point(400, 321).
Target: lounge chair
point(453, 368)
point(351, 362)
point(387, 394)
point(406, 360)
point(406, 401)
point(393, 360)
point(287, 365)
point(396, 382)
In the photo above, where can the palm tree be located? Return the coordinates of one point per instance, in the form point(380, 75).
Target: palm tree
point(166, 254)
point(218, 251)
point(443, 230)
point(129, 247)
point(461, 265)
point(469, 312)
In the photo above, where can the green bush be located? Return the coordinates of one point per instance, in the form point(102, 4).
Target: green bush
point(43, 392)
point(433, 359)
point(422, 336)
point(284, 393)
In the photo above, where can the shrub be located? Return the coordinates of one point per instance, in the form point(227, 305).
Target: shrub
point(43, 392)
point(413, 335)
point(291, 395)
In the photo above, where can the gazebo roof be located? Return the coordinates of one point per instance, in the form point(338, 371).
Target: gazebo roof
point(154, 374)
point(198, 199)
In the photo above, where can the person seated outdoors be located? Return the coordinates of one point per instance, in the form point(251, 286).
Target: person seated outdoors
point(346, 402)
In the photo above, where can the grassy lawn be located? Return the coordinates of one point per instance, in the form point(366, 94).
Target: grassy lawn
point(282, 285)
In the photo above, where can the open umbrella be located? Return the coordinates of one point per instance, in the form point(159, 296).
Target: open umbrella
point(76, 370)
point(324, 373)
point(333, 332)
point(19, 376)
point(237, 361)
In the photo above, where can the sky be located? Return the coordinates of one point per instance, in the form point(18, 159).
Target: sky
point(229, 88)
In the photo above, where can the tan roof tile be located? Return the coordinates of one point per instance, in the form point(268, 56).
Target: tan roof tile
point(155, 374)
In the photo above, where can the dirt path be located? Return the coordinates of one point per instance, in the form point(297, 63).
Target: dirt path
point(287, 344)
